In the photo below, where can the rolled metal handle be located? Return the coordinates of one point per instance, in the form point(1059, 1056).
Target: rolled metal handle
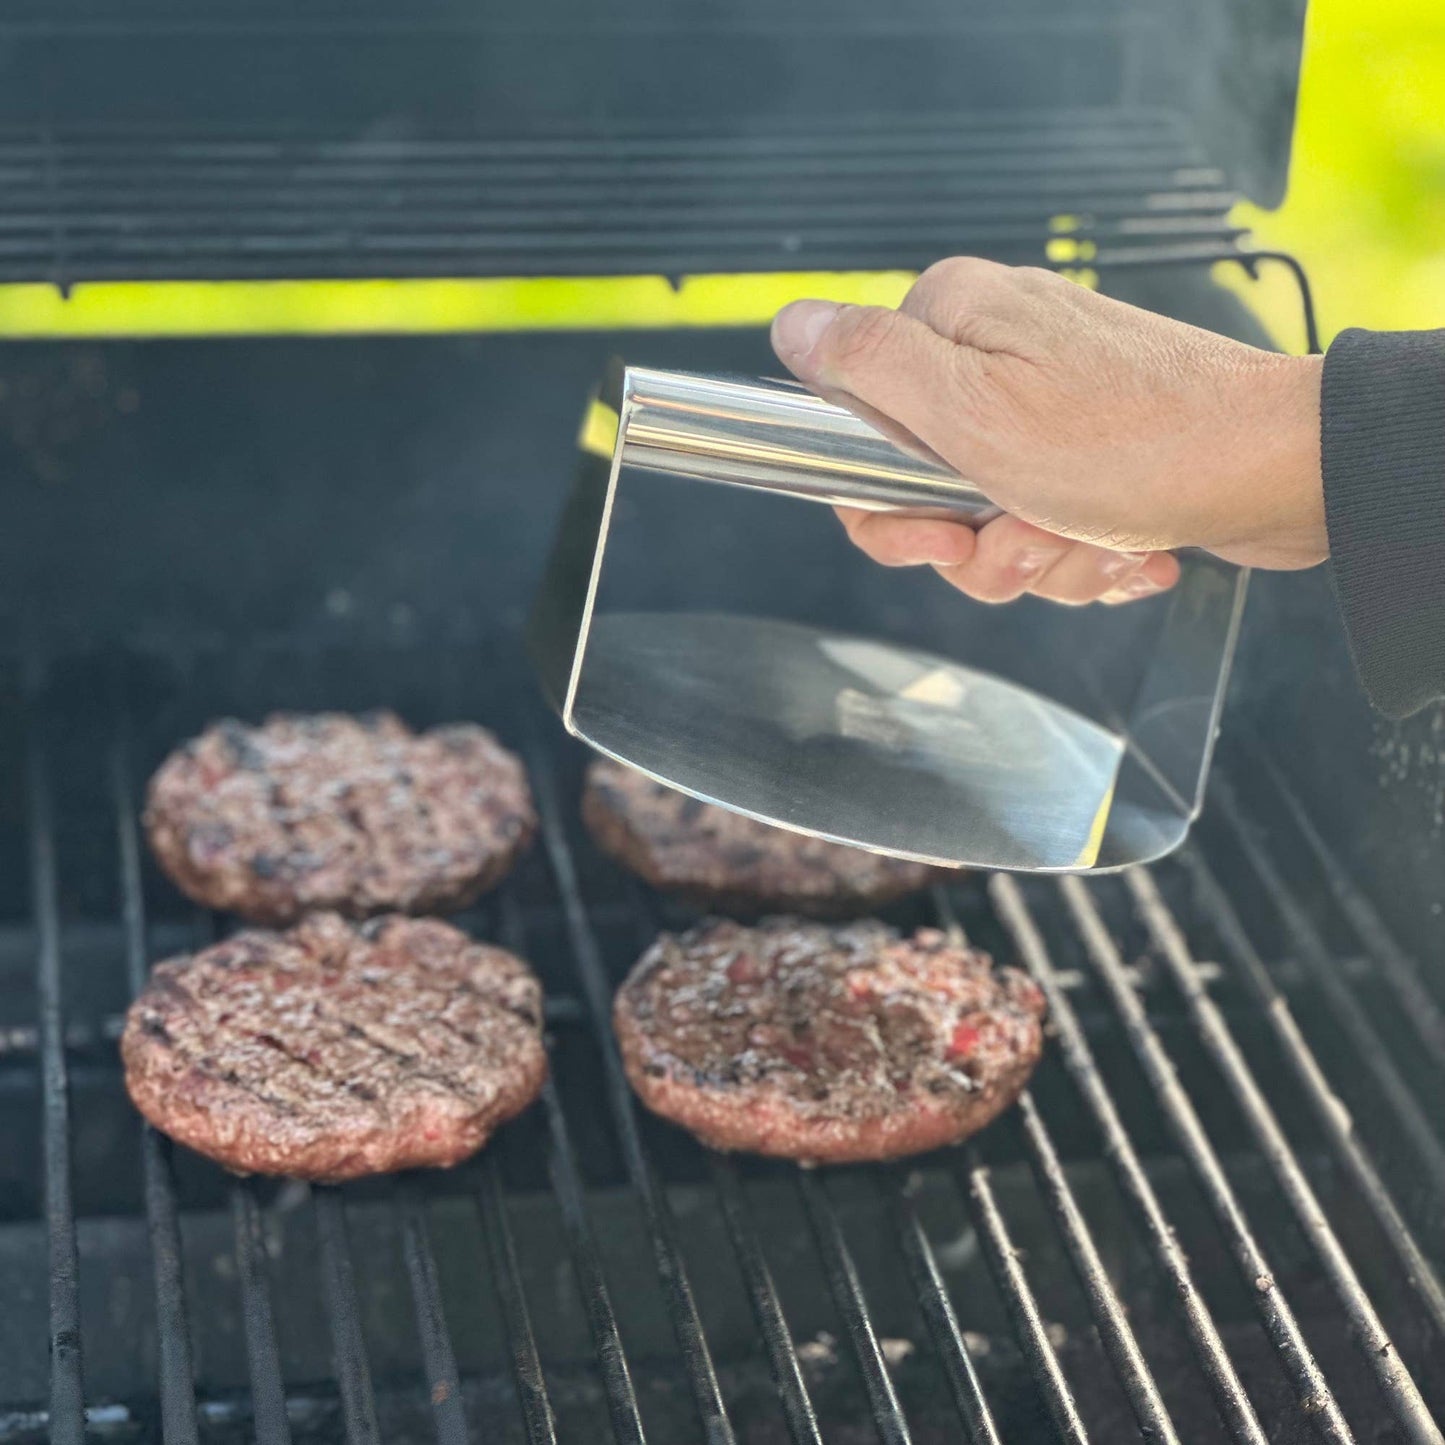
point(776, 436)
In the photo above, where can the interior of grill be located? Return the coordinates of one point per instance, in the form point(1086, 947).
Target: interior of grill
point(596, 1270)
point(1217, 1215)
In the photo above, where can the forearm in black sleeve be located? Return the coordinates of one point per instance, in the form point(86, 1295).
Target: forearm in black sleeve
point(1383, 451)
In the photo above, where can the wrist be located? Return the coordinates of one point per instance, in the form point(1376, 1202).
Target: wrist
point(1282, 517)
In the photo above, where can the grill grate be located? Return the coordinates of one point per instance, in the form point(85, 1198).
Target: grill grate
point(1100, 1014)
point(142, 203)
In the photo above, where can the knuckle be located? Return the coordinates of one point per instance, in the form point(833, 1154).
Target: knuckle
point(964, 272)
point(859, 335)
point(1038, 278)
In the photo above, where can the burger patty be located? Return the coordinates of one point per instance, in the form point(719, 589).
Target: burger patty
point(826, 1044)
point(357, 814)
point(336, 1049)
point(724, 861)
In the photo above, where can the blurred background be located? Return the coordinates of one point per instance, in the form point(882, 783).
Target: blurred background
point(1365, 210)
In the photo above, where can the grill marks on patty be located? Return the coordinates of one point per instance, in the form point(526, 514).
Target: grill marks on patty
point(725, 861)
point(329, 811)
point(823, 1043)
point(333, 1050)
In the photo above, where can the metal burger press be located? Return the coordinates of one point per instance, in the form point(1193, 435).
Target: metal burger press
point(860, 741)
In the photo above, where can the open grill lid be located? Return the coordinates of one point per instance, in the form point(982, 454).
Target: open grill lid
point(441, 138)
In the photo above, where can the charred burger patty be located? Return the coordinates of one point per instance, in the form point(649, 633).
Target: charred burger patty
point(724, 861)
point(329, 811)
point(826, 1043)
point(336, 1049)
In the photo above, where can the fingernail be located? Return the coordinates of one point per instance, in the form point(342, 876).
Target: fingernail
point(1035, 560)
point(1122, 562)
point(1140, 586)
point(796, 328)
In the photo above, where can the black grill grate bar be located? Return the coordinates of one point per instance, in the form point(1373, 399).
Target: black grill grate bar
point(1018, 1296)
point(438, 1357)
point(682, 1307)
point(847, 1291)
point(942, 1323)
point(757, 1277)
point(263, 1359)
point(521, 1341)
point(908, 252)
point(67, 1390)
point(1108, 1314)
point(263, 1356)
point(1218, 1041)
point(1399, 971)
point(1295, 1355)
point(591, 1282)
point(175, 1377)
point(320, 238)
point(1114, 1333)
point(348, 1346)
point(1234, 1405)
point(1371, 1052)
point(202, 203)
point(767, 1309)
point(586, 1261)
point(1051, 149)
point(1331, 1113)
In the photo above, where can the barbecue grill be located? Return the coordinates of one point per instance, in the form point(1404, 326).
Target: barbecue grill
point(1216, 1214)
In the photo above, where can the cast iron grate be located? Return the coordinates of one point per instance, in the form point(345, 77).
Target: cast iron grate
point(1278, 1182)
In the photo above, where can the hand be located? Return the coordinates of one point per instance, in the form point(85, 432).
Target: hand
point(1109, 435)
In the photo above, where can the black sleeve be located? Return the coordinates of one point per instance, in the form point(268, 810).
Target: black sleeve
point(1383, 452)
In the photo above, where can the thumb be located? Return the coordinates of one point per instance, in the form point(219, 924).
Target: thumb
point(894, 364)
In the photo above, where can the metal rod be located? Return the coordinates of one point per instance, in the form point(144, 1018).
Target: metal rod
point(444, 1387)
point(67, 1388)
point(1295, 1355)
point(327, 233)
point(847, 1292)
point(1214, 1033)
point(1085, 127)
point(348, 1347)
point(1234, 1405)
point(263, 1359)
point(767, 1309)
point(1108, 1313)
point(452, 201)
point(1018, 1298)
point(682, 1307)
point(526, 1363)
point(591, 1282)
point(943, 1327)
point(732, 1201)
point(586, 1261)
point(174, 1373)
point(1110, 1321)
point(1372, 1054)
point(1329, 1110)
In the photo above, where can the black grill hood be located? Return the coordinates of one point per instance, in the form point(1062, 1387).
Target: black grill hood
point(164, 139)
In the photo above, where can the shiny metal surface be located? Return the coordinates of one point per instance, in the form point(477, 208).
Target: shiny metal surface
point(861, 741)
point(777, 436)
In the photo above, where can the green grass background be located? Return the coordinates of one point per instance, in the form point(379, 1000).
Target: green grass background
point(1365, 209)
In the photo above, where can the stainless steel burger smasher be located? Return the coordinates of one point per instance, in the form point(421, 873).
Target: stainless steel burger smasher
point(861, 741)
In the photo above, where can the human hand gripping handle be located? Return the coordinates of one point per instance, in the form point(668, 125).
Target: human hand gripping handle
point(1110, 436)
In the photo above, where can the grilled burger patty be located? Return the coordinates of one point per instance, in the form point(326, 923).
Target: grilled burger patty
point(826, 1044)
point(358, 814)
point(736, 865)
point(336, 1049)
